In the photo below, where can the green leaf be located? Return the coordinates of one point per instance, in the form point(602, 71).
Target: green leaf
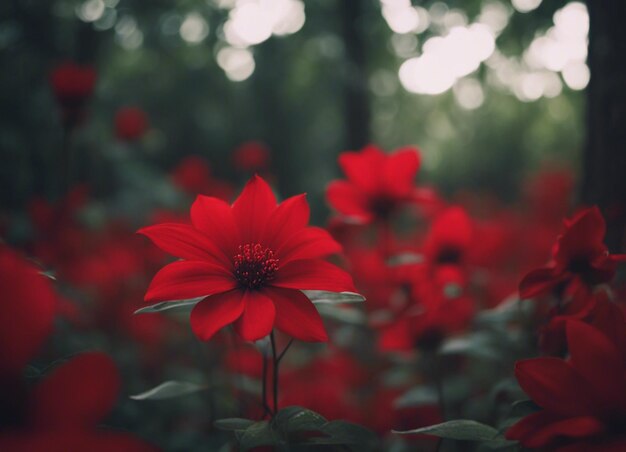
point(168, 390)
point(257, 434)
point(233, 423)
point(297, 419)
point(349, 433)
point(419, 396)
point(323, 296)
point(461, 429)
point(167, 305)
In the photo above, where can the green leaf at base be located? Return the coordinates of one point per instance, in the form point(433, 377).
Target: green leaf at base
point(168, 390)
point(461, 429)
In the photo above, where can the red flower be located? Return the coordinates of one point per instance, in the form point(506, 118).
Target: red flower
point(193, 176)
point(27, 307)
point(582, 399)
point(579, 254)
point(250, 261)
point(73, 83)
point(378, 183)
point(449, 237)
point(130, 123)
point(64, 409)
point(251, 156)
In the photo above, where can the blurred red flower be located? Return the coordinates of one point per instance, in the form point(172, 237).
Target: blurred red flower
point(582, 399)
point(251, 156)
point(193, 176)
point(63, 411)
point(27, 307)
point(578, 255)
point(377, 184)
point(250, 261)
point(130, 123)
point(72, 85)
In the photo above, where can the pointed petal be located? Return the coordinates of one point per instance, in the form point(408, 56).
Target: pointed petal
point(399, 171)
point(313, 274)
point(182, 240)
point(80, 392)
point(215, 312)
point(214, 218)
point(253, 208)
point(296, 315)
point(363, 168)
point(554, 385)
point(538, 282)
point(578, 427)
point(189, 279)
point(291, 216)
point(347, 200)
point(310, 243)
point(584, 235)
point(257, 319)
point(598, 360)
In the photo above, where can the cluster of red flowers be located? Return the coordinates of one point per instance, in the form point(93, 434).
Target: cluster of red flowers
point(427, 267)
point(63, 410)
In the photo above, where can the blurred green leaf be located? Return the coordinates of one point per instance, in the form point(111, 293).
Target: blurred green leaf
point(168, 390)
point(257, 434)
point(419, 396)
point(167, 305)
point(322, 296)
point(234, 423)
point(297, 419)
point(461, 429)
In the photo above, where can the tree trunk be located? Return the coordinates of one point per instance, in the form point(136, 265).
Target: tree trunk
point(357, 108)
point(604, 170)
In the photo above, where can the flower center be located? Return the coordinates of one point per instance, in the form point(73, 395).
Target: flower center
point(254, 265)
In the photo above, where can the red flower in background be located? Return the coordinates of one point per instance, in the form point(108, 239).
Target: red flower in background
point(63, 411)
point(72, 85)
point(250, 261)
point(27, 307)
point(252, 156)
point(193, 176)
point(131, 123)
point(377, 184)
point(579, 255)
point(582, 399)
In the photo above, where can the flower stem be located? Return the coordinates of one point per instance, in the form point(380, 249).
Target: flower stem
point(276, 362)
point(264, 389)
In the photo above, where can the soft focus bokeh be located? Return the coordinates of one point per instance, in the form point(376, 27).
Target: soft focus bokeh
point(116, 114)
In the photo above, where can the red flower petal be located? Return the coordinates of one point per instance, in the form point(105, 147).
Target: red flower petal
point(27, 307)
point(310, 243)
point(182, 240)
point(348, 201)
point(538, 282)
point(598, 360)
point(257, 319)
point(189, 279)
point(554, 385)
point(363, 168)
point(214, 218)
point(215, 312)
point(527, 426)
point(313, 275)
point(399, 170)
point(81, 392)
point(296, 315)
point(584, 235)
point(578, 427)
point(253, 208)
point(291, 216)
